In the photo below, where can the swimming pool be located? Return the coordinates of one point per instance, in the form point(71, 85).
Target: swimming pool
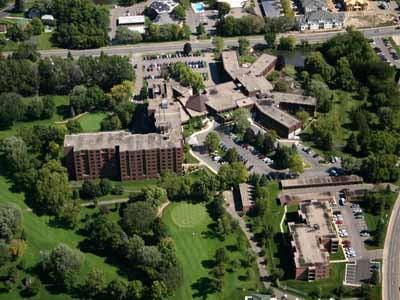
point(198, 7)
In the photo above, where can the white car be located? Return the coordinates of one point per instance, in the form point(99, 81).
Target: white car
point(216, 158)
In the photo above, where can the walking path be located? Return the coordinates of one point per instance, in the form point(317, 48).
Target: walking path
point(261, 263)
point(209, 127)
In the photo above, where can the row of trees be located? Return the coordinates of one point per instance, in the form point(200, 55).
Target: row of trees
point(250, 24)
point(59, 76)
point(13, 108)
point(187, 77)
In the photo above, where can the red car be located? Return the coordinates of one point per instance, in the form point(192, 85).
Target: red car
point(338, 222)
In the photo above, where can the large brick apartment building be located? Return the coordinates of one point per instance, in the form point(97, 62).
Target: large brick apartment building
point(121, 155)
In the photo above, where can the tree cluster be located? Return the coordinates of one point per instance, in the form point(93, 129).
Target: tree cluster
point(186, 76)
point(92, 189)
point(167, 32)
point(80, 24)
point(58, 76)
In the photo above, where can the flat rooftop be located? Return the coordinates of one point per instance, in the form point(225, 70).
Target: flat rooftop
point(279, 116)
point(308, 251)
point(128, 20)
point(320, 181)
point(125, 140)
point(318, 216)
point(261, 64)
point(278, 97)
point(223, 96)
point(245, 194)
point(255, 84)
point(231, 64)
point(288, 199)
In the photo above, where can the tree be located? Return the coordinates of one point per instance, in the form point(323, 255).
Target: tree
point(80, 24)
point(244, 46)
point(135, 290)
point(74, 126)
point(94, 284)
point(200, 30)
point(221, 256)
point(69, 215)
point(281, 157)
point(19, 6)
point(10, 221)
point(124, 35)
point(187, 48)
point(344, 78)
point(158, 291)
point(270, 38)
point(218, 43)
point(295, 164)
point(90, 190)
point(303, 116)
point(179, 12)
point(212, 142)
point(37, 26)
point(111, 123)
point(52, 187)
point(14, 155)
point(231, 155)
point(62, 265)
point(12, 109)
point(26, 51)
point(287, 43)
point(187, 77)
point(223, 9)
point(240, 118)
point(231, 175)
point(32, 286)
point(17, 33)
point(281, 86)
point(316, 64)
point(249, 136)
point(118, 289)
point(138, 217)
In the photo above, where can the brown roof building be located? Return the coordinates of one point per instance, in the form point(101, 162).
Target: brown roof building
point(197, 103)
point(320, 181)
point(122, 155)
point(313, 240)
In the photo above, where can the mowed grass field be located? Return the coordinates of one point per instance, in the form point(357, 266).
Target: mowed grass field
point(189, 226)
point(91, 122)
point(42, 235)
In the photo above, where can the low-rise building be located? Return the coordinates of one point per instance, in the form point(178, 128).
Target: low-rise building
point(307, 6)
point(313, 240)
point(271, 117)
point(244, 198)
point(320, 20)
point(133, 23)
point(320, 181)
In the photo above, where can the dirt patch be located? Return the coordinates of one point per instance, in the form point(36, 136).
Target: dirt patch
point(369, 19)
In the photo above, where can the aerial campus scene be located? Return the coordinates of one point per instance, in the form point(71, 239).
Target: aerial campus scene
point(178, 149)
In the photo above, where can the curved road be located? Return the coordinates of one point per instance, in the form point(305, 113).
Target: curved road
point(391, 257)
point(207, 44)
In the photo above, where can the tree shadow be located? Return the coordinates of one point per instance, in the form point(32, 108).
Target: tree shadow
point(208, 263)
point(64, 111)
point(203, 286)
point(284, 255)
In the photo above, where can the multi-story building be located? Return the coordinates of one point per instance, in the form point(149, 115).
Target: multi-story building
point(313, 240)
point(122, 155)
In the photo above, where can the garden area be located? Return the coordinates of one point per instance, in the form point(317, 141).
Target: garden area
point(190, 226)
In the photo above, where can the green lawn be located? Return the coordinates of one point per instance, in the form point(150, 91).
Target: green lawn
point(60, 101)
point(91, 121)
point(189, 226)
point(41, 235)
point(42, 41)
point(339, 255)
point(339, 114)
point(324, 286)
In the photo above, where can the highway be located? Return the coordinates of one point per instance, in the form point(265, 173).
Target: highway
point(207, 44)
point(391, 257)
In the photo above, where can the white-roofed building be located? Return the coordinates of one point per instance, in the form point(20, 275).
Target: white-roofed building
point(133, 23)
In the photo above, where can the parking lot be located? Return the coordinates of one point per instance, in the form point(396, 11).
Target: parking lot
point(385, 51)
point(352, 229)
point(154, 65)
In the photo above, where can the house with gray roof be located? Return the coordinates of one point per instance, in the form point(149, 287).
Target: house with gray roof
point(320, 19)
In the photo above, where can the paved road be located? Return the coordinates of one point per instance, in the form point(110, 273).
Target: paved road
point(391, 257)
point(207, 44)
